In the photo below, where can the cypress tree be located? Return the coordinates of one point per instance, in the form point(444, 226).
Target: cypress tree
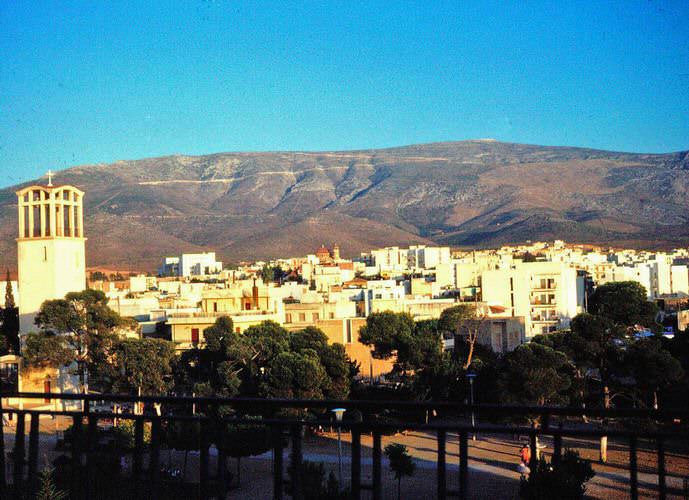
point(10, 318)
point(9, 296)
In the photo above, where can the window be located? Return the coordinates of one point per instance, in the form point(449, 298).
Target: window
point(47, 219)
point(302, 317)
point(194, 335)
point(349, 331)
point(331, 315)
point(45, 254)
point(46, 389)
point(288, 318)
point(316, 317)
point(238, 330)
point(215, 307)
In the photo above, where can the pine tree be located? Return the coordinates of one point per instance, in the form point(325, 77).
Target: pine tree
point(48, 490)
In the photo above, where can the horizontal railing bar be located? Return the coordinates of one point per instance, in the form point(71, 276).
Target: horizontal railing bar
point(363, 404)
point(364, 426)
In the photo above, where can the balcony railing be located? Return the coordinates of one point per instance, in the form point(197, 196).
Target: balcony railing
point(218, 314)
point(670, 426)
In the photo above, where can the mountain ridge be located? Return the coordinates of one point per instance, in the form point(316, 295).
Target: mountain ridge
point(251, 205)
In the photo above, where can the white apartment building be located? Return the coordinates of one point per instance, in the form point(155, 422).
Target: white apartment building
point(327, 276)
point(679, 276)
point(390, 259)
point(194, 264)
point(383, 295)
point(547, 294)
point(423, 257)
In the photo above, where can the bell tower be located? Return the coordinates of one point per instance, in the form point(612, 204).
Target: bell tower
point(51, 248)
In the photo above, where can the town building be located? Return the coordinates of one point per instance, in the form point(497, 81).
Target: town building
point(547, 294)
point(51, 247)
point(190, 264)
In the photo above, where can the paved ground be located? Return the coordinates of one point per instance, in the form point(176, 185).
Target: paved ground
point(492, 465)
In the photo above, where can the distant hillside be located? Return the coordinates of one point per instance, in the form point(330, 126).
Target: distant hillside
point(470, 193)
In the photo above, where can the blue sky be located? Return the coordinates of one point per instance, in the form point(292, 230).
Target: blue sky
point(95, 82)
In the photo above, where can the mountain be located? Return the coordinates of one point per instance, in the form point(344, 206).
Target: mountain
point(470, 193)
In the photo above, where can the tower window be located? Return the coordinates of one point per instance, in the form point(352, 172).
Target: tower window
point(47, 220)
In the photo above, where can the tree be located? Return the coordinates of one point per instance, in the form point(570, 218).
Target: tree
point(414, 345)
point(47, 350)
point(652, 368)
point(244, 440)
point(9, 318)
point(624, 303)
point(295, 376)
point(401, 463)
point(91, 328)
point(564, 480)
point(184, 435)
point(216, 334)
point(425, 348)
point(594, 344)
point(270, 274)
point(332, 357)
point(269, 339)
point(534, 374)
point(314, 485)
point(386, 332)
point(466, 321)
point(47, 489)
point(145, 365)
point(9, 295)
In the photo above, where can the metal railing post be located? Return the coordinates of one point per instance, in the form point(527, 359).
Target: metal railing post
point(222, 471)
point(277, 463)
point(377, 475)
point(442, 484)
point(204, 458)
point(356, 462)
point(137, 466)
point(557, 445)
point(154, 458)
point(533, 463)
point(297, 460)
point(662, 486)
point(19, 456)
point(3, 479)
point(76, 456)
point(463, 465)
point(91, 445)
point(633, 470)
point(33, 452)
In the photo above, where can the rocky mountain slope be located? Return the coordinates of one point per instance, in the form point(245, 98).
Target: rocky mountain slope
point(470, 193)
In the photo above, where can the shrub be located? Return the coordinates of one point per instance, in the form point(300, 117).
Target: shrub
point(565, 481)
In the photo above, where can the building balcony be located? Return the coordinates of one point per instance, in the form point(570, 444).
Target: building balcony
point(543, 319)
point(201, 314)
point(538, 303)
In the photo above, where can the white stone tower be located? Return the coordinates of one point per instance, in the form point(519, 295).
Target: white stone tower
point(51, 252)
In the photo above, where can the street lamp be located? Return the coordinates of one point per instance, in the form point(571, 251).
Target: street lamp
point(339, 413)
point(471, 376)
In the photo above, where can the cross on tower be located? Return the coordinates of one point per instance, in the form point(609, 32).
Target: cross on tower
point(50, 178)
